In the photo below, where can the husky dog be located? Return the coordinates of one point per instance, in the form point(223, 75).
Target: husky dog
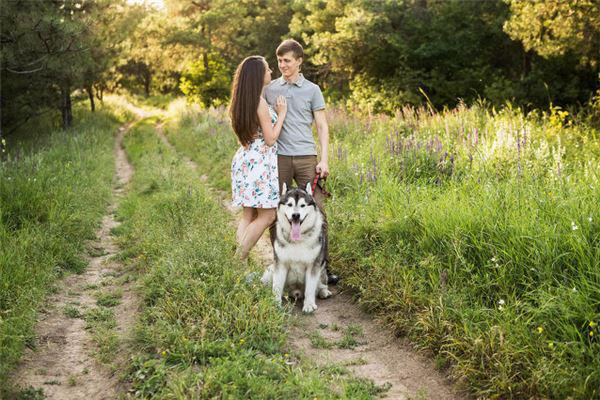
point(299, 249)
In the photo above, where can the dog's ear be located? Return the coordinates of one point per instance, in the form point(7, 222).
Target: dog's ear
point(284, 188)
point(308, 188)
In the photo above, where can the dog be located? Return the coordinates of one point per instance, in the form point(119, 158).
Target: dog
point(299, 248)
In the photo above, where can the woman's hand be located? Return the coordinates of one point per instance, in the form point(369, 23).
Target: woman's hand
point(280, 106)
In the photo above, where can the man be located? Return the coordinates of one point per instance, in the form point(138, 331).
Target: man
point(297, 152)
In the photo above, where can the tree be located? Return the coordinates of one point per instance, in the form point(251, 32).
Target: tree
point(554, 28)
point(221, 33)
point(46, 54)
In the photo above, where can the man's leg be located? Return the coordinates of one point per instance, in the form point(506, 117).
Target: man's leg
point(285, 171)
point(304, 172)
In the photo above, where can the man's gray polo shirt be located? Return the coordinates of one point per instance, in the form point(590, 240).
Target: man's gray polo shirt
point(303, 97)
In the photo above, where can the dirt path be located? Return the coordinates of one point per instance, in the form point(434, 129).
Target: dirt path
point(64, 363)
point(339, 332)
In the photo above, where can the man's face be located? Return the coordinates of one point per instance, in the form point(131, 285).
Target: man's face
point(288, 64)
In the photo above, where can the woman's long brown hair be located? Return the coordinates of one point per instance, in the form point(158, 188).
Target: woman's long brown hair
point(245, 95)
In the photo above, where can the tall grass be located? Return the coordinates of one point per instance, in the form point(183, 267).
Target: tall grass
point(205, 331)
point(54, 187)
point(473, 231)
point(476, 234)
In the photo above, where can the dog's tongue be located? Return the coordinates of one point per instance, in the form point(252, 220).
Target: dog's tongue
point(295, 231)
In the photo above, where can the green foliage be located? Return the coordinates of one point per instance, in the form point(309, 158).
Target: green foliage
point(387, 53)
point(49, 50)
point(205, 331)
point(207, 81)
point(53, 191)
point(374, 55)
point(557, 27)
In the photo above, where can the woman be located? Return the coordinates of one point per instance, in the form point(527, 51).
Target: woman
point(254, 175)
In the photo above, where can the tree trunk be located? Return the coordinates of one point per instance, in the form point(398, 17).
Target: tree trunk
point(206, 67)
point(147, 81)
point(99, 91)
point(65, 107)
point(90, 92)
point(526, 69)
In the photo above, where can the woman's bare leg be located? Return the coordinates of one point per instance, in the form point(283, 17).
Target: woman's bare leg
point(255, 229)
point(248, 215)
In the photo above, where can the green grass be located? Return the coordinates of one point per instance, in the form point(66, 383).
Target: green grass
point(351, 337)
point(318, 341)
point(204, 331)
point(71, 311)
point(101, 323)
point(473, 232)
point(54, 187)
point(109, 299)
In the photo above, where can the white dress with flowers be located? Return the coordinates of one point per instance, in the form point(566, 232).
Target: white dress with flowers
point(254, 174)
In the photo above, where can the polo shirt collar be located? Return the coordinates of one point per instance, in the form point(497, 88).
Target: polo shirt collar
point(298, 82)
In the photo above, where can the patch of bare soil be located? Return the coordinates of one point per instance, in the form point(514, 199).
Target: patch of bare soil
point(64, 363)
point(339, 332)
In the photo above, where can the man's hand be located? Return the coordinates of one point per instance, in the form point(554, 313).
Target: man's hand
point(322, 169)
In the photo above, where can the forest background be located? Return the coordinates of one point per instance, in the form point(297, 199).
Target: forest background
point(375, 56)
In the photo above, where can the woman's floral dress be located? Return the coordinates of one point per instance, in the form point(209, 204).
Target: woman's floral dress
point(254, 174)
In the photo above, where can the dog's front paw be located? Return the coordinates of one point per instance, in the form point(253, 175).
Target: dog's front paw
point(309, 307)
point(267, 276)
point(324, 293)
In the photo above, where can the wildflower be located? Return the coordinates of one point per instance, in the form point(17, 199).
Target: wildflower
point(501, 303)
point(242, 341)
point(493, 259)
point(551, 345)
point(591, 333)
point(590, 218)
point(574, 289)
point(573, 226)
point(164, 353)
point(540, 329)
point(593, 324)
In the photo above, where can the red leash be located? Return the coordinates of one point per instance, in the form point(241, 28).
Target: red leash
point(322, 186)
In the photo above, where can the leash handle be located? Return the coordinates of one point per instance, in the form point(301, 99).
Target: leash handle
point(316, 181)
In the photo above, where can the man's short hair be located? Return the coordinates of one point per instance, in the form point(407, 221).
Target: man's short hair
point(290, 45)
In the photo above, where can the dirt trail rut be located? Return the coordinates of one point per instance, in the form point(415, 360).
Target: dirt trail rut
point(63, 363)
point(347, 336)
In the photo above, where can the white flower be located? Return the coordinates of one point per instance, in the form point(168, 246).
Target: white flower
point(494, 259)
point(573, 226)
point(590, 218)
point(501, 302)
point(574, 289)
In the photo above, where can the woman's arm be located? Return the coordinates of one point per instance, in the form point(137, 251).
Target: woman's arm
point(271, 132)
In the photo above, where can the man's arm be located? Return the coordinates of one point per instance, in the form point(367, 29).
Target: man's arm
point(323, 133)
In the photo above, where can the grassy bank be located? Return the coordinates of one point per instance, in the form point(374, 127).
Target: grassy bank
point(473, 231)
point(205, 332)
point(54, 188)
